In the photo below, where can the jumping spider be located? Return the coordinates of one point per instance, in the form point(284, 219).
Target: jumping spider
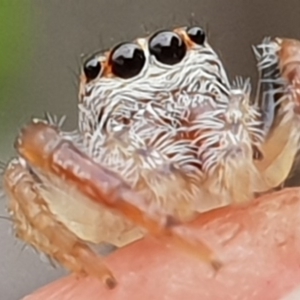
point(162, 137)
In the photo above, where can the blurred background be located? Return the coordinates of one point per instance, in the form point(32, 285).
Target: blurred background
point(41, 43)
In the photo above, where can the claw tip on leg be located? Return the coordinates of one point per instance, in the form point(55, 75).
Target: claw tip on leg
point(216, 264)
point(110, 282)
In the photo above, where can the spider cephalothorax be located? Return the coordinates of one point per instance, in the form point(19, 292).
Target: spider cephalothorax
point(174, 123)
point(162, 137)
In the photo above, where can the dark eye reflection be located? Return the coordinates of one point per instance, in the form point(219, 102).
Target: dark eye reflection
point(92, 68)
point(167, 47)
point(196, 34)
point(127, 60)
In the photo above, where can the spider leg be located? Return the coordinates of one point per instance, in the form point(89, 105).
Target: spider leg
point(36, 225)
point(44, 149)
point(278, 63)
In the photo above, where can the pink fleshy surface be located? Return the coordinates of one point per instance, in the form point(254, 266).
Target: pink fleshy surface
point(258, 244)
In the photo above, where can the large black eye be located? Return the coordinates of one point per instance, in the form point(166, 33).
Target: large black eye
point(127, 60)
point(167, 47)
point(92, 68)
point(196, 34)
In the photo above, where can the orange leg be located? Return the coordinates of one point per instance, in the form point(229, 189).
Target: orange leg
point(280, 63)
point(35, 224)
point(47, 152)
point(289, 64)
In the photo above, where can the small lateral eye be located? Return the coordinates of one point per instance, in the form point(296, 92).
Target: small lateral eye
point(196, 34)
point(127, 60)
point(167, 47)
point(92, 68)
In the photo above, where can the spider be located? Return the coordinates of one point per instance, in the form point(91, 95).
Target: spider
point(162, 137)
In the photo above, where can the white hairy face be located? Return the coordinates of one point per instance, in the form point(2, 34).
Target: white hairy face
point(160, 111)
